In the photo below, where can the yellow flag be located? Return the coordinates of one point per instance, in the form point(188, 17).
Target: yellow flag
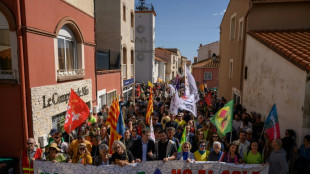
point(150, 84)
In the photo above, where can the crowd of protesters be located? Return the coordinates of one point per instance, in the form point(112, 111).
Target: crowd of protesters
point(247, 144)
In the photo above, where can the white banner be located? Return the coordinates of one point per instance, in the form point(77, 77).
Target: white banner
point(151, 167)
point(188, 103)
point(174, 106)
point(190, 85)
point(172, 90)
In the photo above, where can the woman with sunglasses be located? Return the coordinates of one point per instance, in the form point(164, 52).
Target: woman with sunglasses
point(202, 153)
point(185, 154)
point(121, 156)
point(232, 155)
point(199, 137)
point(53, 155)
point(215, 137)
point(83, 156)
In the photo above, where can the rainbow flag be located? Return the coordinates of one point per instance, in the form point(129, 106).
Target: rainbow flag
point(223, 119)
point(112, 121)
point(272, 124)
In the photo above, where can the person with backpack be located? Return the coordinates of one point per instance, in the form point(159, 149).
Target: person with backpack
point(253, 156)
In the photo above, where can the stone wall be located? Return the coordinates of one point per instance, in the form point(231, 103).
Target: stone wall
point(48, 101)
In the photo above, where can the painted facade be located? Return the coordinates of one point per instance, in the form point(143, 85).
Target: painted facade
point(208, 50)
point(43, 64)
point(206, 72)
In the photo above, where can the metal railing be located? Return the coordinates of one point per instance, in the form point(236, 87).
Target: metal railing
point(124, 69)
point(63, 74)
point(7, 74)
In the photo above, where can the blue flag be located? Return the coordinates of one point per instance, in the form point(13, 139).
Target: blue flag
point(120, 128)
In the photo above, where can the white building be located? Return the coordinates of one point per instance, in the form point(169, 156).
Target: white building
point(208, 50)
point(145, 43)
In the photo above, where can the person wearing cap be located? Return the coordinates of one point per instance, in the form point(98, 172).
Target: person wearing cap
point(83, 156)
point(54, 154)
point(91, 118)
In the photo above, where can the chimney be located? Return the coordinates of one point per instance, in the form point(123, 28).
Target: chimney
point(195, 59)
point(200, 45)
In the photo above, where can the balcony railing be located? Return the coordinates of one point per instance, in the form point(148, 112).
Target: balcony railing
point(124, 69)
point(70, 74)
point(8, 74)
point(132, 70)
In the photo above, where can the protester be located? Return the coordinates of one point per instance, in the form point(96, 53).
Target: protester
point(121, 156)
point(217, 153)
point(171, 134)
point(82, 156)
point(75, 144)
point(28, 155)
point(242, 143)
point(202, 154)
point(165, 149)
point(103, 158)
point(253, 156)
point(143, 148)
point(215, 137)
point(95, 147)
point(63, 146)
point(277, 159)
point(185, 154)
point(196, 144)
point(288, 143)
point(232, 156)
point(54, 155)
point(302, 164)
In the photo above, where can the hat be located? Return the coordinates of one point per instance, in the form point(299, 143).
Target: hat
point(53, 131)
point(54, 145)
point(82, 145)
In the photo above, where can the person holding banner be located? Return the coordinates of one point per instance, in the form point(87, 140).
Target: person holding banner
point(253, 156)
point(217, 154)
point(83, 155)
point(185, 154)
point(165, 149)
point(53, 155)
point(232, 156)
point(103, 158)
point(202, 154)
point(143, 148)
point(28, 155)
point(121, 156)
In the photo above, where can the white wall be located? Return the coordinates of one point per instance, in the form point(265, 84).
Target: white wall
point(203, 51)
point(144, 46)
point(85, 5)
point(272, 79)
point(162, 70)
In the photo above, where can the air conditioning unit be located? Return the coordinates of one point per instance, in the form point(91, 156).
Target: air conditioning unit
point(43, 140)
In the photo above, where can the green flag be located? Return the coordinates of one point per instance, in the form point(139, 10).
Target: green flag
point(183, 140)
point(223, 119)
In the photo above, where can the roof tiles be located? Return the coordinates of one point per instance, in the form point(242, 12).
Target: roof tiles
point(294, 45)
point(208, 63)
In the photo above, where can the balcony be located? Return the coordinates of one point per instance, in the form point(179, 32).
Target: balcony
point(8, 74)
point(72, 74)
point(124, 69)
point(132, 70)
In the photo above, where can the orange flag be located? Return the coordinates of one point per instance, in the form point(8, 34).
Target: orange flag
point(77, 112)
point(112, 121)
point(149, 110)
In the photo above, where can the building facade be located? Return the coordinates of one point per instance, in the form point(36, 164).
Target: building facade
point(115, 25)
point(40, 64)
point(172, 62)
point(145, 43)
point(208, 51)
point(206, 72)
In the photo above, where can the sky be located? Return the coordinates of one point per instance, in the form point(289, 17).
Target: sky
point(185, 24)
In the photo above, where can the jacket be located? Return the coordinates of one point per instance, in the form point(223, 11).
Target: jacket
point(28, 165)
point(137, 152)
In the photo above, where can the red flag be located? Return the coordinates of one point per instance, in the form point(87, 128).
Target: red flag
point(112, 121)
point(208, 99)
point(138, 91)
point(77, 112)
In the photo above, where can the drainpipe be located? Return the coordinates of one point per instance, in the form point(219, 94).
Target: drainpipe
point(22, 71)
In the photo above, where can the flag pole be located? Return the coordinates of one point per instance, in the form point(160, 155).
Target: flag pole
point(69, 133)
point(230, 137)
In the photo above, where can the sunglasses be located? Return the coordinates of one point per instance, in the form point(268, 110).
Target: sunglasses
point(185, 147)
point(202, 146)
point(200, 134)
point(83, 149)
point(51, 149)
point(30, 143)
point(215, 136)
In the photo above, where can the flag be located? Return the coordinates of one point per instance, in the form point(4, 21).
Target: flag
point(120, 128)
point(202, 87)
point(174, 106)
point(177, 82)
point(138, 91)
point(183, 140)
point(77, 112)
point(150, 84)
point(272, 124)
point(152, 131)
point(190, 85)
point(149, 110)
point(188, 103)
point(223, 119)
point(112, 121)
point(208, 99)
point(172, 90)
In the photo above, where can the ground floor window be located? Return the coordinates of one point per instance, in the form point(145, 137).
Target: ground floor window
point(58, 121)
point(110, 96)
point(127, 92)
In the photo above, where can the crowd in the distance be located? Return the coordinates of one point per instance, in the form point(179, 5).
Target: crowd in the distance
point(247, 144)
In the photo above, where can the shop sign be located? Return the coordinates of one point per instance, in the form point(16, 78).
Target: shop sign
point(60, 98)
point(128, 82)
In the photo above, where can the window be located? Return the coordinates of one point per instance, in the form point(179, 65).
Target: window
point(103, 100)
point(233, 26)
point(110, 96)
point(67, 54)
point(240, 33)
point(246, 73)
point(124, 13)
point(173, 60)
point(124, 63)
point(231, 68)
point(207, 76)
point(132, 63)
point(132, 19)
